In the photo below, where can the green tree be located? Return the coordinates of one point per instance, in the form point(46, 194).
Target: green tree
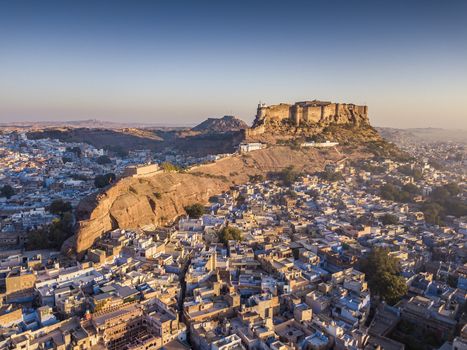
point(389, 219)
point(410, 188)
point(195, 211)
point(228, 233)
point(331, 175)
point(7, 191)
point(256, 178)
point(101, 181)
point(59, 207)
point(287, 175)
point(444, 201)
point(313, 193)
point(383, 275)
point(117, 150)
point(76, 150)
point(102, 160)
point(168, 167)
point(452, 188)
point(392, 193)
point(52, 236)
point(416, 173)
point(432, 212)
point(388, 192)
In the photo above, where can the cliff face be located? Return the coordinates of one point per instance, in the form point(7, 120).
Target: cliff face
point(152, 201)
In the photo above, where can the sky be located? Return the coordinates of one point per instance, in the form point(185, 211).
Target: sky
point(178, 62)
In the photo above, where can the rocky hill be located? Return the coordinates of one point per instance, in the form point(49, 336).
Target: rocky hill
point(151, 201)
point(185, 141)
point(160, 199)
point(221, 125)
point(342, 122)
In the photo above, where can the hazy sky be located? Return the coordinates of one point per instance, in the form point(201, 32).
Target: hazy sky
point(178, 62)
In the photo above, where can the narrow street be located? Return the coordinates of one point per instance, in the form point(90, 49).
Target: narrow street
point(181, 298)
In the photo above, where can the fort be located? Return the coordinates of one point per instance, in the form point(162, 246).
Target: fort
point(311, 112)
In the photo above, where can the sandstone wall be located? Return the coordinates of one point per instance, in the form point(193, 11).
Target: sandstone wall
point(315, 112)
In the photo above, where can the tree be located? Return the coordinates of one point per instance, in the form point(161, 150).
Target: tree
point(410, 188)
point(287, 175)
point(117, 150)
point(102, 160)
point(416, 173)
point(229, 233)
point(59, 207)
point(52, 236)
point(383, 275)
point(388, 192)
point(256, 178)
point(389, 219)
point(313, 193)
point(432, 212)
point(392, 193)
point(101, 181)
point(452, 188)
point(7, 191)
point(76, 150)
point(195, 211)
point(443, 201)
point(168, 167)
point(331, 175)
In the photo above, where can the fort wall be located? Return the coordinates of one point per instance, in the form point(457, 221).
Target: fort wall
point(312, 112)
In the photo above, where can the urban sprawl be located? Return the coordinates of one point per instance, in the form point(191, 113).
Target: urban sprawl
point(367, 254)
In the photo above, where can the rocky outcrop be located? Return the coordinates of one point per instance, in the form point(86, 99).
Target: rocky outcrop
point(151, 201)
point(221, 125)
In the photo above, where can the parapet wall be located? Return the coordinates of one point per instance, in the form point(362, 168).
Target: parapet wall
point(312, 112)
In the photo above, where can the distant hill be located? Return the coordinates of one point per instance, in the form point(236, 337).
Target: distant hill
point(225, 124)
point(88, 123)
point(423, 134)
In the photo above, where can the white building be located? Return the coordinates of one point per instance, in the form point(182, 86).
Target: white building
point(319, 144)
point(252, 146)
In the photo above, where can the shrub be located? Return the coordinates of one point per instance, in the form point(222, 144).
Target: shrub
point(102, 160)
point(7, 191)
point(195, 211)
point(168, 167)
point(389, 219)
point(229, 233)
point(59, 207)
point(101, 181)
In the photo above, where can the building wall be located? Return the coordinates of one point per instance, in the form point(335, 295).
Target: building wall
point(312, 112)
point(13, 316)
point(19, 283)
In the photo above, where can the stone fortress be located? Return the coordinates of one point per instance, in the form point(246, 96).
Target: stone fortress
point(310, 113)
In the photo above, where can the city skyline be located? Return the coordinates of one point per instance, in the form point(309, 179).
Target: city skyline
point(179, 63)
